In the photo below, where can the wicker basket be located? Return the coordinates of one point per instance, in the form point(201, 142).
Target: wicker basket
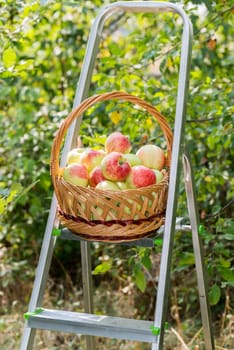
point(110, 216)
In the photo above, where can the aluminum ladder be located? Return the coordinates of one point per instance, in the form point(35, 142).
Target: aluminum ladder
point(88, 323)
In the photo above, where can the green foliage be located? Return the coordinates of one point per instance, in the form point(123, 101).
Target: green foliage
point(42, 49)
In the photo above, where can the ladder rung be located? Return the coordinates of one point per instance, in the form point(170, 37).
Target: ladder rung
point(96, 325)
point(143, 242)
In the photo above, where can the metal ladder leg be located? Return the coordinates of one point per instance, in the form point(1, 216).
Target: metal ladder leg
point(87, 286)
point(41, 275)
point(165, 265)
point(198, 253)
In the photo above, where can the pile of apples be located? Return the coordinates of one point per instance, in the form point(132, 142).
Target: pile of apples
point(115, 167)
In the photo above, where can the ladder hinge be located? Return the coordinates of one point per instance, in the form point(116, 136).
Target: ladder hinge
point(158, 242)
point(156, 330)
point(56, 232)
point(36, 312)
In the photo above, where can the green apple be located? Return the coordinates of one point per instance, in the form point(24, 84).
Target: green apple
point(73, 155)
point(159, 175)
point(151, 156)
point(133, 159)
point(107, 185)
point(128, 210)
point(122, 185)
point(98, 215)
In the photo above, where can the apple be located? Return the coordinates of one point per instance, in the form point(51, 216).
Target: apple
point(133, 159)
point(141, 176)
point(115, 167)
point(73, 155)
point(122, 185)
point(117, 142)
point(92, 158)
point(151, 156)
point(98, 214)
point(128, 210)
point(96, 176)
point(159, 175)
point(107, 185)
point(76, 174)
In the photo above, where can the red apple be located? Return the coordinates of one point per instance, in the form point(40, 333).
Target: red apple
point(141, 176)
point(151, 156)
point(107, 185)
point(96, 176)
point(91, 158)
point(117, 142)
point(76, 174)
point(115, 167)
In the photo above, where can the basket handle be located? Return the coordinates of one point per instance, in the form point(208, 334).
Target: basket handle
point(85, 104)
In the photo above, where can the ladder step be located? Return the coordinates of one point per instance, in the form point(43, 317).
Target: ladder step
point(143, 242)
point(95, 325)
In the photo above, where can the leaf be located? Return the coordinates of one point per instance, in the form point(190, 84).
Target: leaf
point(186, 259)
point(140, 280)
point(224, 262)
point(9, 57)
point(2, 205)
point(114, 49)
point(214, 294)
point(102, 268)
point(227, 274)
point(25, 190)
point(115, 117)
point(228, 236)
point(146, 261)
point(15, 189)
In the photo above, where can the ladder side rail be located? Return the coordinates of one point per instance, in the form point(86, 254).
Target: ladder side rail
point(198, 252)
point(178, 139)
point(41, 274)
point(49, 240)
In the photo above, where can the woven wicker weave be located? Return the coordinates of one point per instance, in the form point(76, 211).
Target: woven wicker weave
point(110, 216)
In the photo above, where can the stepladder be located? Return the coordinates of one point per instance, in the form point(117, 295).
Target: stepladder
point(88, 323)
